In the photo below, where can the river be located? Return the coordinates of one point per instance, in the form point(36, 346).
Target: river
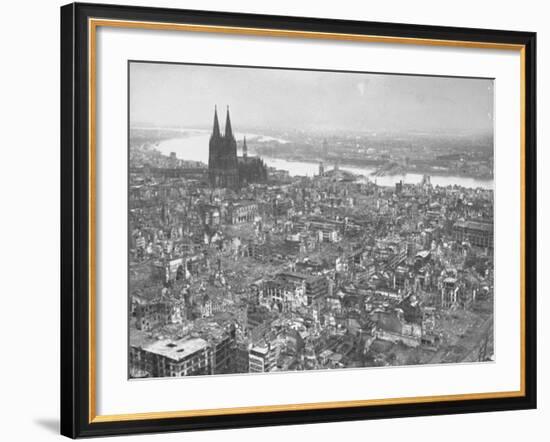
point(194, 147)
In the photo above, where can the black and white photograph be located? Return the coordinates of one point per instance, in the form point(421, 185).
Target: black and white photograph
point(275, 221)
point(293, 220)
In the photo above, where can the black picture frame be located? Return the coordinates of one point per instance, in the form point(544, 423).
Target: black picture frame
point(75, 220)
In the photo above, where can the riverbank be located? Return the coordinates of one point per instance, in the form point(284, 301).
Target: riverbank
point(381, 168)
point(195, 148)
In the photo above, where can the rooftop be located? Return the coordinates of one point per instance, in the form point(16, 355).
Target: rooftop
point(178, 349)
point(260, 350)
point(475, 225)
point(423, 254)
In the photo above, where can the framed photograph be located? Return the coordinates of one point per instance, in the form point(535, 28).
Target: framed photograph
point(274, 220)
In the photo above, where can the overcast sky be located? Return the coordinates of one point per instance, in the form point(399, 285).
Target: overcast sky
point(176, 95)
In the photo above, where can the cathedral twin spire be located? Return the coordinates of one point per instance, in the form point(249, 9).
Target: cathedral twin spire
point(228, 130)
point(225, 168)
point(216, 130)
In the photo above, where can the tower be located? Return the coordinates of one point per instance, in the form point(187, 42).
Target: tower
point(245, 149)
point(222, 155)
point(215, 138)
point(228, 131)
point(321, 169)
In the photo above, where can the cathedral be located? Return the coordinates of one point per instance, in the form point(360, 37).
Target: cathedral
point(225, 168)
